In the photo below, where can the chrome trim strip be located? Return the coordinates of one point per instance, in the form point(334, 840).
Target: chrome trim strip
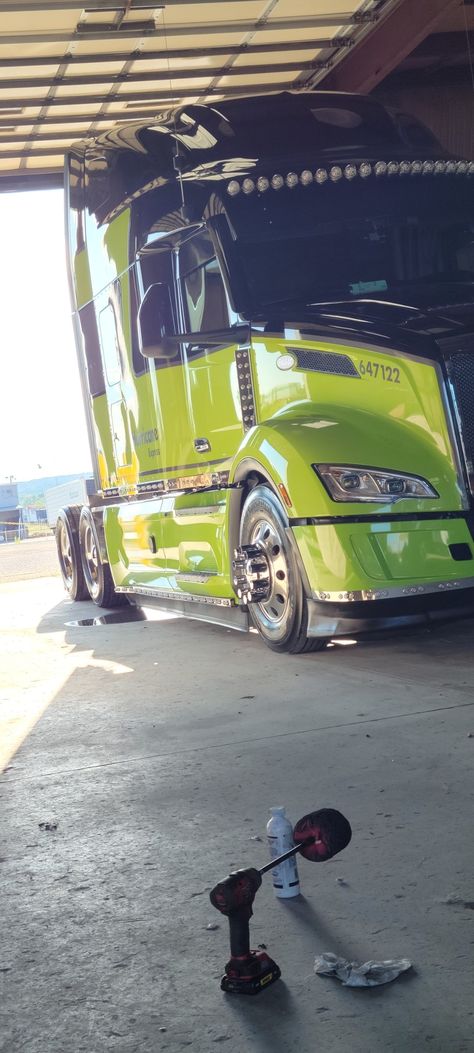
point(397, 592)
point(197, 510)
point(169, 594)
point(184, 467)
point(385, 517)
point(194, 576)
point(181, 484)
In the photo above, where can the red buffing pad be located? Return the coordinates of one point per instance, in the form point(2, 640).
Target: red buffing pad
point(331, 832)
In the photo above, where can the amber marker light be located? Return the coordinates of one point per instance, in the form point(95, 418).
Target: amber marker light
point(285, 495)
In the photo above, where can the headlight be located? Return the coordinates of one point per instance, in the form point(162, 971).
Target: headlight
point(348, 483)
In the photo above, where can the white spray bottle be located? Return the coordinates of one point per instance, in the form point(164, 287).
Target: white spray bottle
point(280, 839)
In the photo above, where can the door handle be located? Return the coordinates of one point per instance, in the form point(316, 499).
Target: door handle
point(202, 445)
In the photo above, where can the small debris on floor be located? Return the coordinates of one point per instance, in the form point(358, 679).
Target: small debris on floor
point(341, 881)
point(358, 974)
point(212, 926)
point(255, 837)
point(457, 901)
point(48, 826)
point(242, 697)
point(262, 946)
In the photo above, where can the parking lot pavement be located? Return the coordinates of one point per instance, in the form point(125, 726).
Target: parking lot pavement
point(32, 558)
point(157, 748)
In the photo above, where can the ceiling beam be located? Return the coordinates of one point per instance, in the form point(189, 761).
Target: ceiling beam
point(166, 75)
point(388, 45)
point(279, 25)
point(13, 6)
point(150, 97)
point(182, 53)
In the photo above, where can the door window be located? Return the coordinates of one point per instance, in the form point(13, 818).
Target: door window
point(204, 296)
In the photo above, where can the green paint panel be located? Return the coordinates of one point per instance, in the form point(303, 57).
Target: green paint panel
point(187, 532)
point(353, 556)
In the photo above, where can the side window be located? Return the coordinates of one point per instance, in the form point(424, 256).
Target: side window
point(203, 291)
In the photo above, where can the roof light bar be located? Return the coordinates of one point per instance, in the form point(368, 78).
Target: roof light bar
point(349, 172)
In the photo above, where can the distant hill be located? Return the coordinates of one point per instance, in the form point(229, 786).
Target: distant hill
point(31, 491)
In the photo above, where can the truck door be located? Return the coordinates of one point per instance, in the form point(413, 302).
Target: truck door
point(168, 376)
point(108, 306)
point(214, 404)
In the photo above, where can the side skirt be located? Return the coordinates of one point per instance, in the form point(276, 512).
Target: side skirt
point(198, 608)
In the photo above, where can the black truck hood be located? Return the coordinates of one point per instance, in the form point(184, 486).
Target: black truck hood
point(424, 319)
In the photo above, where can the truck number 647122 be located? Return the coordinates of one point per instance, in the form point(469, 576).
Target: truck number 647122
point(391, 374)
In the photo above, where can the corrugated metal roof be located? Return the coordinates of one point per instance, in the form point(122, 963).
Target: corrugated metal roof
point(69, 71)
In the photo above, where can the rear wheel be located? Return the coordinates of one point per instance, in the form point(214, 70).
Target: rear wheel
point(69, 554)
point(97, 575)
point(281, 614)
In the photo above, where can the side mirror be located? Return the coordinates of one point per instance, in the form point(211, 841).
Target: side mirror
point(233, 334)
point(155, 323)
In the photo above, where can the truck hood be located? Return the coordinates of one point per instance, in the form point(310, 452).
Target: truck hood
point(419, 318)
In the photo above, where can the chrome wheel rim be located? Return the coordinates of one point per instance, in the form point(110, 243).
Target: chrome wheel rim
point(65, 554)
point(275, 608)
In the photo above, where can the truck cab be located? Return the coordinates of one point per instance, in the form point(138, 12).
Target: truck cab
point(274, 309)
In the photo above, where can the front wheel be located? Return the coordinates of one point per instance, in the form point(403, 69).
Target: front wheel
point(281, 615)
point(97, 575)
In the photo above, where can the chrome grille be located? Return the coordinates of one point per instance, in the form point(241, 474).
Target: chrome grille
point(460, 369)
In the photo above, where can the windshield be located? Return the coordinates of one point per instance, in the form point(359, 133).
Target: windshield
point(311, 244)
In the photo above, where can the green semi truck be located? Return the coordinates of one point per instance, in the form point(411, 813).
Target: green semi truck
point(274, 310)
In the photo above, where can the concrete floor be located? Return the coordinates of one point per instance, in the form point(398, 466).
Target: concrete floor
point(157, 747)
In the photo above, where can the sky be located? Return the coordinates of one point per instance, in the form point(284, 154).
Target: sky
point(42, 421)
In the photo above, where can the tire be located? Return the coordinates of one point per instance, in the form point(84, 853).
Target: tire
point(69, 554)
point(97, 575)
point(282, 619)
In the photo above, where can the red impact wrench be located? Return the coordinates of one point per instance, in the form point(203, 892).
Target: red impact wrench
point(318, 836)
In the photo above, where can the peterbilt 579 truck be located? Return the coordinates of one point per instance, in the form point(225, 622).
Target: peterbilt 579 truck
point(274, 310)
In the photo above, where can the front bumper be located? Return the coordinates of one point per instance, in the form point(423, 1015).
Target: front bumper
point(328, 619)
point(373, 574)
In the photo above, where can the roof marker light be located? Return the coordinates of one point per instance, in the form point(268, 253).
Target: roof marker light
point(248, 186)
point(440, 167)
point(306, 177)
point(233, 188)
point(462, 167)
point(277, 181)
point(393, 168)
point(350, 171)
point(470, 168)
point(450, 167)
point(320, 175)
point(416, 167)
point(263, 183)
point(405, 167)
point(291, 180)
point(335, 173)
point(380, 168)
point(365, 169)
point(428, 167)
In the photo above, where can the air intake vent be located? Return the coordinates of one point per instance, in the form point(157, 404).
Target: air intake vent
point(324, 362)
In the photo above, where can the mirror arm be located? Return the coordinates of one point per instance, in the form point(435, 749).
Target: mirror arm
point(239, 334)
